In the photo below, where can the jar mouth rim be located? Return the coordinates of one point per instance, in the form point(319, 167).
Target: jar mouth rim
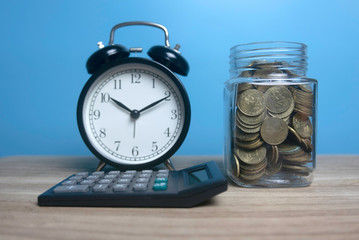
point(285, 44)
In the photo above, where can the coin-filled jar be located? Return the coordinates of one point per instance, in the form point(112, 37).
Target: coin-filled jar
point(270, 116)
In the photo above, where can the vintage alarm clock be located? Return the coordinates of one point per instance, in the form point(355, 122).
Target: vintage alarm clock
point(133, 112)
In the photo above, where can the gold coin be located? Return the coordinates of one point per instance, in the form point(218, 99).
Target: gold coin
point(249, 130)
point(251, 102)
point(288, 149)
point(278, 99)
point(251, 144)
point(237, 166)
point(302, 125)
point(251, 120)
point(300, 157)
point(250, 168)
point(252, 157)
point(285, 115)
point(246, 74)
point(290, 73)
point(306, 88)
point(295, 163)
point(295, 135)
point(244, 86)
point(303, 110)
point(267, 73)
point(273, 169)
point(247, 125)
point(307, 145)
point(274, 131)
point(273, 155)
point(263, 88)
point(269, 65)
point(252, 177)
point(246, 137)
point(297, 168)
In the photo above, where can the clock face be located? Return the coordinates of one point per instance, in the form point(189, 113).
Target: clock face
point(135, 113)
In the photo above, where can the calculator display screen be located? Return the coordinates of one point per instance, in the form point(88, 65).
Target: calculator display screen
point(198, 176)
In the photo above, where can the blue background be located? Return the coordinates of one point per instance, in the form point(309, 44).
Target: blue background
point(45, 45)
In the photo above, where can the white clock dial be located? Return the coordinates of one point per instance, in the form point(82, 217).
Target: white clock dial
point(133, 114)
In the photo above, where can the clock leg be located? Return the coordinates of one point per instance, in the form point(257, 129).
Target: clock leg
point(169, 165)
point(100, 166)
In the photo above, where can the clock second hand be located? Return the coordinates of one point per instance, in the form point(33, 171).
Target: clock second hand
point(134, 128)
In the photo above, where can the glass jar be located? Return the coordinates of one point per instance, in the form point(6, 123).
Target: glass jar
point(270, 116)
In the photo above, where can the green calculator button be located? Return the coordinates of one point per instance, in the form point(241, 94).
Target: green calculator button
point(161, 179)
point(160, 186)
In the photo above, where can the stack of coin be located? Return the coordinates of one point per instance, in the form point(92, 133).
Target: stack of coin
point(274, 163)
point(251, 107)
point(303, 96)
point(294, 159)
point(280, 102)
point(273, 125)
point(251, 163)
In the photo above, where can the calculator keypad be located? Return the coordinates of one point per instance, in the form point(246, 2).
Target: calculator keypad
point(115, 181)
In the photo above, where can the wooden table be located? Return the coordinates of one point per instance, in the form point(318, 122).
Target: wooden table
point(328, 209)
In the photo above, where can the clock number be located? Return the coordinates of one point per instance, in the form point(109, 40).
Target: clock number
point(105, 97)
point(135, 151)
point(174, 114)
point(168, 94)
point(117, 84)
point(135, 77)
point(102, 132)
point(167, 132)
point(117, 143)
point(96, 114)
point(154, 146)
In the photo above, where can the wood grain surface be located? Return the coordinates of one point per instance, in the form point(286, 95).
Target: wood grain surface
point(328, 209)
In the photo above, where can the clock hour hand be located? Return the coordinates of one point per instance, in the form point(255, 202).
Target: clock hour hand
point(120, 104)
point(153, 104)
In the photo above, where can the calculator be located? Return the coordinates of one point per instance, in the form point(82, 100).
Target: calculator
point(147, 188)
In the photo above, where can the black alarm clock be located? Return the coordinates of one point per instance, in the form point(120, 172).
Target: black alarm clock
point(133, 112)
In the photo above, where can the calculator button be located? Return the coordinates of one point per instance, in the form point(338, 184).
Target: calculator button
point(87, 182)
point(124, 180)
point(160, 186)
point(128, 175)
point(93, 177)
point(108, 176)
point(105, 181)
point(76, 178)
point(147, 171)
point(144, 175)
point(114, 172)
point(140, 186)
point(162, 175)
point(101, 173)
point(161, 179)
point(71, 188)
point(69, 182)
point(120, 187)
point(131, 171)
point(84, 174)
point(100, 188)
point(143, 180)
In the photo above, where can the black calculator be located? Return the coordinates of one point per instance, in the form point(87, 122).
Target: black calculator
point(146, 188)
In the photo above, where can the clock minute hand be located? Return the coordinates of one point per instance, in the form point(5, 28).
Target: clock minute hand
point(153, 104)
point(120, 104)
